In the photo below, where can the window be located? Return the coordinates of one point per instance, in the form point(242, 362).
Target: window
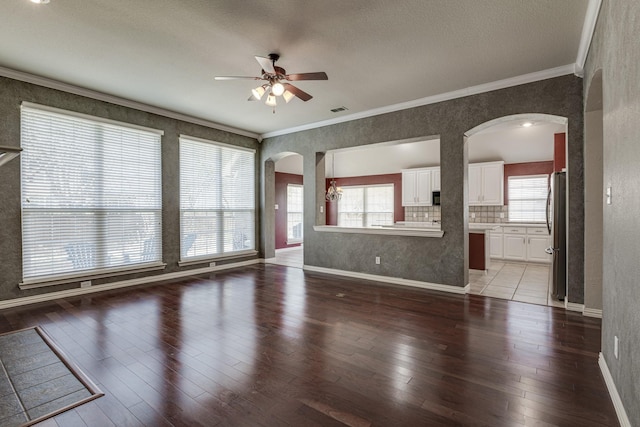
point(217, 199)
point(363, 206)
point(294, 213)
point(528, 198)
point(91, 195)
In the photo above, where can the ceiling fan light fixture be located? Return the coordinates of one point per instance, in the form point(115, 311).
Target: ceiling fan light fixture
point(258, 92)
point(527, 124)
point(288, 96)
point(271, 100)
point(277, 89)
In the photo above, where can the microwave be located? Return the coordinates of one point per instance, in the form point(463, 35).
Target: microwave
point(435, 198)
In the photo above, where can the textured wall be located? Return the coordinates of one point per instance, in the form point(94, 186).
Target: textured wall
point(434, 260)
point(12, 94)
point(615, 49)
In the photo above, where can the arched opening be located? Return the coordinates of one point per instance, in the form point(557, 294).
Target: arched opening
point(512, 162)
point(284, 201)
point(594, 202)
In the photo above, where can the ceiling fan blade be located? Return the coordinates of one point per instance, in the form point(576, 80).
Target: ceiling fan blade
point(236, 78)
point(307, 76)
point(266, 64)
point(297, 92)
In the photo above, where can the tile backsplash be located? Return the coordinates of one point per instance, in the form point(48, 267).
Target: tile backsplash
point(486, 214)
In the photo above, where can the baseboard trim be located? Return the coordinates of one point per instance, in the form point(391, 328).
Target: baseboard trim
point(49, 296)
point(394, 280)
point(623, 419)
point(572, 306)
point(592, 312)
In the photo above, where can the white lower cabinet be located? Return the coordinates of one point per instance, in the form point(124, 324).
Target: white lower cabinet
point(521, 244)
point(515, 247)
point(495, 244)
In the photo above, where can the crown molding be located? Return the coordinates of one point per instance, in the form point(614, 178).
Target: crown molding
point(473, 90)
point(100, 96)
point(589, 27)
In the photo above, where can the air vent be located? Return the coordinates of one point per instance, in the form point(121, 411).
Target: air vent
point(337, 110)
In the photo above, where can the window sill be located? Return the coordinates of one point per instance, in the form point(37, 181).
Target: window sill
point(389, 231)
point(80, 277)
point(208, 259)
point(294, 241)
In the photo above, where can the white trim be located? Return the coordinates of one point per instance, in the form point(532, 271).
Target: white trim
point(592, 312)
point(88, 117)
point(212, 258)
point(49, 296)
point(100, 96)
point(572, 306)
point(394, 280)
point(389, 231)
point(623, 419)
point(461, 93)
point(220, 144)
point(589, 27)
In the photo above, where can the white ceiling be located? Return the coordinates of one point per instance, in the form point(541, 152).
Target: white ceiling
point(377, 53)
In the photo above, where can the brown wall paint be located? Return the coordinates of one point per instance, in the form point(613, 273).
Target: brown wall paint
point(520, 169)
point(559, 153)
point(282, 180)
point(394, 178)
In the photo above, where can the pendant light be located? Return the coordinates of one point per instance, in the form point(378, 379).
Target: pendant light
point(334, 193)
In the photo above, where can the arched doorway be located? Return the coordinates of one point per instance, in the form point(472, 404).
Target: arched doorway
point(528, 149)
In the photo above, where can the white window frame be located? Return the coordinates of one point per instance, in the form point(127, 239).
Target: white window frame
point(516, 213)
point(51, 138)
point(364, 212)
point(200, 248)
point(292, 240)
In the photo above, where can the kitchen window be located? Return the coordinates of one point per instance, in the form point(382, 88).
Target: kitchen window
point(528, 198)
point(295, 213)
point(91, 195)
point(367, 205)
point(217, 199)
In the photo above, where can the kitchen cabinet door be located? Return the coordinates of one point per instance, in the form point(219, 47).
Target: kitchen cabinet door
point(515, 247)
point(424, 187)
point(536, 246)
point(409, 188)
point(435, 179)
point(493, 185)
point(416, 187)
point(495, 245)
point(475, 185)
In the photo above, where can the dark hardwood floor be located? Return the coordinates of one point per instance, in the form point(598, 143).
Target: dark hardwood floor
point(270, 345)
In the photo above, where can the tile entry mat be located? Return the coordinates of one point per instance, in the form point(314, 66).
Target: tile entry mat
point(37, 381)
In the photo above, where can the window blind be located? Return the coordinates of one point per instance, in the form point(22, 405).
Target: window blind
point(528, 198)
point(364, 206)
point(91, 195)
point(217, 199)
point(294, 212)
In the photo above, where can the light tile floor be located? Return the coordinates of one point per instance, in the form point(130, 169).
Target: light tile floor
point(525, 282)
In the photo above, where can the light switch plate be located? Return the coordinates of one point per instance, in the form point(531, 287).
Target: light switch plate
point(608, 193)
point(277, 207)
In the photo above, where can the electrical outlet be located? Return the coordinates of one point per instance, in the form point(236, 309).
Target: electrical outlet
point(321, 209)
point(501, 214)
point(616, 346)
point(277, 207)
point(473, 215)
point(85, 284)
point(426, 215)
point(608, 193)
point(415, 215)
point(212, 264)
point(378, 260)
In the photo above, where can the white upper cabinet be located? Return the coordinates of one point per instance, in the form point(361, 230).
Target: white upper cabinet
point(435, 179)
point(417, 186)
point(486, 184)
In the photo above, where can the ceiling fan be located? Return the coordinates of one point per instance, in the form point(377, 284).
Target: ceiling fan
point(277, 81)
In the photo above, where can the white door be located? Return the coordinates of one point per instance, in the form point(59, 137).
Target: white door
point(424, 187)
point(493, 185)
point(515, 247)
point(409, 189)
point(475, 185)
point(495, 245)
point(536, 249)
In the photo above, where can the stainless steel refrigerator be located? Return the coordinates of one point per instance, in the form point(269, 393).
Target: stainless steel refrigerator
point(557, 226)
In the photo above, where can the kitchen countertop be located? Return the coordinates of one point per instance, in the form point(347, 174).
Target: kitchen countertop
point(475, 227)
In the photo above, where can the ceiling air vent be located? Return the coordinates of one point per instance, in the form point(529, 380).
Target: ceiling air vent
point(337, 110)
